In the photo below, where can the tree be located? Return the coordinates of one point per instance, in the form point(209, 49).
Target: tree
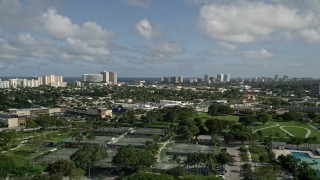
point(7, 136)
point(306, 172)
point(145, 176)
point(175, 159)
point(296, 140)
point(224, 158)
point(264, 117)
point(77, 174)
point(6, 166)
point(246, 171)
point(243, 136)
point(37, 143)
point(152, 147)
point(213, 110)
point(131, 157)
point(61, 166)
point(87, 155)
point(288, 162)
point(247, 120)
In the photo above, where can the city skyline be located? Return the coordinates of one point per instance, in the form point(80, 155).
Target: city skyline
point(148, 38)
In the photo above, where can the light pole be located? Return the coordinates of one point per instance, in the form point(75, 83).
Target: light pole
point(272, 140)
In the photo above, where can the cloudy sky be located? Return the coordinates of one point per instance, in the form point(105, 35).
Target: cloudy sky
point(140, 38)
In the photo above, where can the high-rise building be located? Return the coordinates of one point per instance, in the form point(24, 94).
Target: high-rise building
point(315, 89)
point(165, 79)
point(285, 78)
point(39, 79)
point(113, 77)
point(276, 78)
point(180, 79)
point(226, 78)
point(105, 76)
point(206, 78)
point(220, 78)
point(4, 84)
point(212, 79)
point(94, 78)
point(48, 79)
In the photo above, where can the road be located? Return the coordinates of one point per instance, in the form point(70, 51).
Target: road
point(233, 171)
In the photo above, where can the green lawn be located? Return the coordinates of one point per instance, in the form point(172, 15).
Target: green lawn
point(205, 116)
point(299, 132)
point(257, 151)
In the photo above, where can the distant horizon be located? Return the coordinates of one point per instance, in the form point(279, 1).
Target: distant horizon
point(149, 38)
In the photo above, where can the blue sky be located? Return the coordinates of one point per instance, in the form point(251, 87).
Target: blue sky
point(244, 38)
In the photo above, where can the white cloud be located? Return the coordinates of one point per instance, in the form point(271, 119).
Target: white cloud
point(311, 35)
point(248, 21)
point(165, 47)
point(138, 3)
point(261, 54)
point(144, 28)
point(227, 46)
point(60, 40)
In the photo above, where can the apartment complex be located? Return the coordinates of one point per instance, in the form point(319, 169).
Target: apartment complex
point(104, 77)
point(95, 78)
point(172, 79)
point(51, 80)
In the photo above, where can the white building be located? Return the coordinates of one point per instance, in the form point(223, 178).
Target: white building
point(226, 78)
point(4, 84)
point(220, 78)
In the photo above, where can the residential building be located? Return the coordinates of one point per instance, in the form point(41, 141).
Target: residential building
point(285, 78)
point(113, 78)
point(105, 76)
point(93, 78)
point(54, 80)
point(4, 84)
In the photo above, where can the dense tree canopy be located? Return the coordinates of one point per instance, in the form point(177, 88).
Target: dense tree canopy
point(131, 157)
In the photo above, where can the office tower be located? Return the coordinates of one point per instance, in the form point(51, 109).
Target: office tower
point(285, 78)
point(48, 79)
point(220, 78)
point(206, 78)
point(226, 78)
point(165, 79)
point(105, 76)
point(315, 89)
point(113, 77)
point(276, 78)
point(94, 78)
point(212, 79)
point(180, 79)
point(173, 79)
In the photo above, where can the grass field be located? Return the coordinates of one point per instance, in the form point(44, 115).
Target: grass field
point(295, 127)
point(205, 116)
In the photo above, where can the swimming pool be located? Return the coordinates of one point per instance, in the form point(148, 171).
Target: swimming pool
point(313, 162)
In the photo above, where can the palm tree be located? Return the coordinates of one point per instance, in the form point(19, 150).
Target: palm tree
point(175, 159)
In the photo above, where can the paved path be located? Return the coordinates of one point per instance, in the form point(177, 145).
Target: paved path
point(307, 135)
point(313, 127)
point(265, 128)
point(158, 156)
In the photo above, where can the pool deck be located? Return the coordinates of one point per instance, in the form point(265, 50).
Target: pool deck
point(286, 152)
